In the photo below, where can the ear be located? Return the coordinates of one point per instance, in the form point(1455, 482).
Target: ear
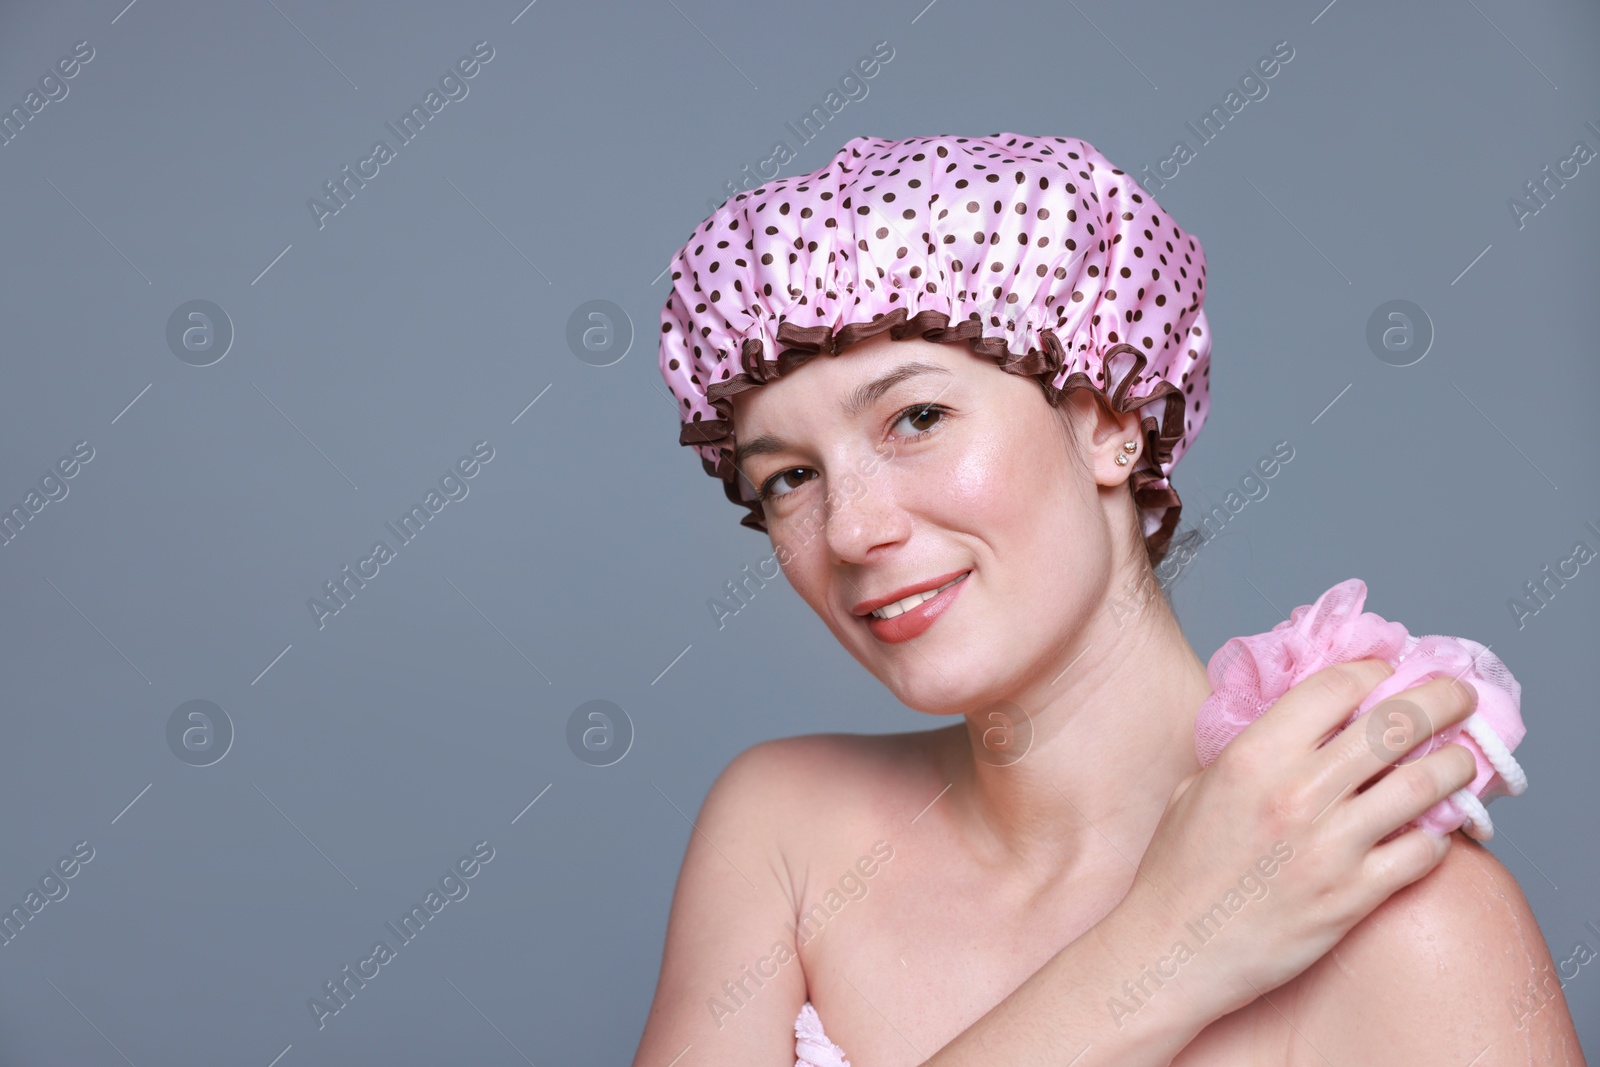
point(1103, 436)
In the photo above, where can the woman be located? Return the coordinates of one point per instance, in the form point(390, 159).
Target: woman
point(973, 502)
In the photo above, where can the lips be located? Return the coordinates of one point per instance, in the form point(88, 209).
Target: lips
point(913, 621)
point(868, 606)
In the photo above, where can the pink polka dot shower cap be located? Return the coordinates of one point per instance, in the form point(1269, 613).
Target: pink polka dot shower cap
point(1038, 252)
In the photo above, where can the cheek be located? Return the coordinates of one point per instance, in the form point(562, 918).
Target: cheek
point(1038, 516)
point(1008, 489)
point(803, 559)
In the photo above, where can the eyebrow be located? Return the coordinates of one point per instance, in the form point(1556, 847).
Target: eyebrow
point(860, 398)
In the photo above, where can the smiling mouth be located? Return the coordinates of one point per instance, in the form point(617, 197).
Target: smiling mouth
point(900, 607)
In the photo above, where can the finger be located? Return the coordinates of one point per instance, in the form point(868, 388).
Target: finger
point(1396, 864)
point(1410, 790)
point(1313, 708)
point(1395, 728)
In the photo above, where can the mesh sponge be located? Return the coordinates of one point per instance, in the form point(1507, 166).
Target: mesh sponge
point(1248, 674)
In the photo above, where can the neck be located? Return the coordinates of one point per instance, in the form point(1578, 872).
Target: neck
point(1112, 734)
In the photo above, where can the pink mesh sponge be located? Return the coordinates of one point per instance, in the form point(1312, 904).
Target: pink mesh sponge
point(1249, 673)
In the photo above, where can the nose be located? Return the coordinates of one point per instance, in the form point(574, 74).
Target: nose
point(864, 514)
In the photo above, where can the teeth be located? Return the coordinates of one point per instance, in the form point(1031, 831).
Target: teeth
point(900, 607)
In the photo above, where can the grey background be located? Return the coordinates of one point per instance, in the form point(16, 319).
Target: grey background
point(371, 753)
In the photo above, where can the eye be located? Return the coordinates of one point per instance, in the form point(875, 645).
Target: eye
point(779, 484)
point(921, 413)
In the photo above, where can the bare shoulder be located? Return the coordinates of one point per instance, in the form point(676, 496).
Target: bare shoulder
point(830, 772)
point(1445, 970)
point(814, 794)
point(771, 817)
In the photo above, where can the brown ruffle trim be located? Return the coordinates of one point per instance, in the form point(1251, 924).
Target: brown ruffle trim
point(797, 344)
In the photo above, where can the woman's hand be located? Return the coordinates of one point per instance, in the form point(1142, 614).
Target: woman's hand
point(1265, 859)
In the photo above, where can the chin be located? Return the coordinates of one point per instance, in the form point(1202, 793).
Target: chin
point(952, 676)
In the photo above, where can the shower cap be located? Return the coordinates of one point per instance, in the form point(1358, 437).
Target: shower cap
point(1036, 251)
point(1248, 674)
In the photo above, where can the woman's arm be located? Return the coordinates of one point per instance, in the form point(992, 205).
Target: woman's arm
point(1451, 970)
point(731, 982)
point(1277, 790)
point(1260, 864)
point(720, 928)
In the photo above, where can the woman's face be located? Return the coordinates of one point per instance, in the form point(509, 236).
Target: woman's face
point(905, 465)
